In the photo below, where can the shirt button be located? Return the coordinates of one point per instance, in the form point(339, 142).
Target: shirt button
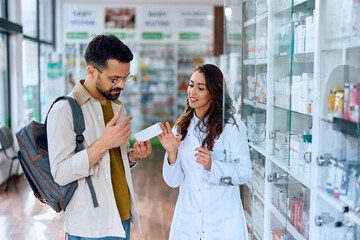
point(100, 118)
point(203, 231)
point(199, 190)
point(107, 176)
point(199, 211)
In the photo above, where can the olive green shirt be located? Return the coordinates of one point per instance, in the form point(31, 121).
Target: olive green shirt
point(120, 187)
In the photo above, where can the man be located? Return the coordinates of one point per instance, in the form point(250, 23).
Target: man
point(106, 157)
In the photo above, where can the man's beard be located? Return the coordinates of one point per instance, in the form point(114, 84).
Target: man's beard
point(107, 93)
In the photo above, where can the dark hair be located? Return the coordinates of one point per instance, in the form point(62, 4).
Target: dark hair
point(214, 80)
point(104, 47)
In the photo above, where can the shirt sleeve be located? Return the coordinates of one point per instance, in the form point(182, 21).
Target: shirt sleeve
point(66, 165)
point(237, 166)
point(173, 173)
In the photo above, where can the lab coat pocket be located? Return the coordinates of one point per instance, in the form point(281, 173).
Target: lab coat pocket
point(218, 155)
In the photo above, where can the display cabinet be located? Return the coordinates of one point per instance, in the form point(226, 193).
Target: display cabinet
point(289, 116)
point(189, 56)
point(157, 83)
point(300, 102)
point(246, 78)
point(337, 153)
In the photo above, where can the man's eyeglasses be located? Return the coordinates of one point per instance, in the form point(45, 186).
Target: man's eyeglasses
point(116, 81)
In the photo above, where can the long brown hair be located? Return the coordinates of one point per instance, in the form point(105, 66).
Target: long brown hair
point(214, 80)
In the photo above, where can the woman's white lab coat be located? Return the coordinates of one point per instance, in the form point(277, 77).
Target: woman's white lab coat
point(206, 208)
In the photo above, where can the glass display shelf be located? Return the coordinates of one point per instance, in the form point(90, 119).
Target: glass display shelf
point(346, 126)
point(299, 176)
point(284, 222)
point(255, 104)
point(257, 148)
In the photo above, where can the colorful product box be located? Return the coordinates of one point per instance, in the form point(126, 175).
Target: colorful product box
point(352, 109)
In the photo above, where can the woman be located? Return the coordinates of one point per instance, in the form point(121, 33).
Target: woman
point(207, 161)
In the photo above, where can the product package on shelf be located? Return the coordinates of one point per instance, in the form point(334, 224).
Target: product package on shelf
point(300, 155)
point(344, 102)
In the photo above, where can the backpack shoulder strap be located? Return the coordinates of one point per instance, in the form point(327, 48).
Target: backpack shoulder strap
point(79, 128)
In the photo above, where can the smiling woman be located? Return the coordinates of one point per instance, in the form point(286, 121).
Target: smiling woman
point(207, 157)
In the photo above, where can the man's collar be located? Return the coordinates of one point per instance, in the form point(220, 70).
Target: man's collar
point(82, 95)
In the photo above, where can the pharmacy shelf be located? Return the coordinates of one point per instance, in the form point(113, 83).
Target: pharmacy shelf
point(248, 219)
point(256, 230)
point(249, 61)
point(256, 19)
point(256, 234)
point(248, 184)
point(250, 22)
point(261, 61)
point(262, 16)
point(287, 7)
point(258, 149)
point(334, 202)
point(298, 176)
point(338, 205)
point(255, 104)
point(339, 47)
point(307, 57)
point(288, 110)
point(256, 194)
point(290, 228)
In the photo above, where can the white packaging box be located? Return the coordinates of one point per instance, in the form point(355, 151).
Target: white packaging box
point(303, 97)
point(295, 93)
point(298, 148)
point(309, 78)
point(309, 32)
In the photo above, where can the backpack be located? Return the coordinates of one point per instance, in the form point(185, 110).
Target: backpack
point(34, 160)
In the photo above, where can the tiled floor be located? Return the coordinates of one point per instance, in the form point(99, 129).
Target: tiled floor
point(23, 217)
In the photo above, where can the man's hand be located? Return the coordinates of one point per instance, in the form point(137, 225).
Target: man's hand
point(141, 150)
point(116, 135)
point(113, 137)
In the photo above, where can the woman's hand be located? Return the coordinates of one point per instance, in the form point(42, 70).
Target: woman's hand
point(169, 142)
point(203, 157)
point(141, 150)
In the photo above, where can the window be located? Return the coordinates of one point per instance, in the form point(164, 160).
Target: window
point(45, 51)
point(29, 17)
point(30, 80)
point(4, 103)
point(46, 21)
point(2, 9)
point(38, 29)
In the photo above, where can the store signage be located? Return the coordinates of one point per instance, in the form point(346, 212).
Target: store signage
point(54, 70)
point(157, 23)
point(81, 22)
point(195, 24)
point(54, 82)
point(121, 22)
point(122, 35)
point(189, 36)
point(235, 37)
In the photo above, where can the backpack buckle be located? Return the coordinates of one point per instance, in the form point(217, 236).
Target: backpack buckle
point(79, 138)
